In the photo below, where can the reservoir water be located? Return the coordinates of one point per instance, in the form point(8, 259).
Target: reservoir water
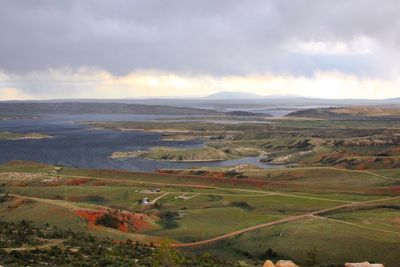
point(77, 145)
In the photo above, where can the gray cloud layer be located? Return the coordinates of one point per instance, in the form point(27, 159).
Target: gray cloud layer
point(198, 36)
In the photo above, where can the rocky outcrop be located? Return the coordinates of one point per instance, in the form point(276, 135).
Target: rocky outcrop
point(281, 263)
point(363, 142)
point(268, 263)
point(364, 264)
point(285, 263)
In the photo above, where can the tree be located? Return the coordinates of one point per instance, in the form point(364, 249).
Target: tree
point(165, 256)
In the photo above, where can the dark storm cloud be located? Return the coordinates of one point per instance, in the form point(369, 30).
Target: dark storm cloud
point(199, 36)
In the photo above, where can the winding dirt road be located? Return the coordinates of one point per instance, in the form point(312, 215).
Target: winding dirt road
point(234, 233)
point(70, 206)
point(281, 221)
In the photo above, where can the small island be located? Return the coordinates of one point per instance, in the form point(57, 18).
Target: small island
point(22, 136)
point(203, 154)
point(6, 117)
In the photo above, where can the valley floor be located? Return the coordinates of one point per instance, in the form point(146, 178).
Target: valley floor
point(204, 213)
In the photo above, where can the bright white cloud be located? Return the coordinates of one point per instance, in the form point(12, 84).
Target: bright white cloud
point(357, 46)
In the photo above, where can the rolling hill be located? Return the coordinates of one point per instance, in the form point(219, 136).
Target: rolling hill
point(98, 108)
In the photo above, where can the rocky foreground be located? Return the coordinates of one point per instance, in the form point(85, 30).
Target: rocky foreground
point(286, 263)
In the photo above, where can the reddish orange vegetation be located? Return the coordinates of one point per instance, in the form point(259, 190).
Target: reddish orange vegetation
point(76, 181)
point(128, 174)
point(390, 190)
point(394, 150)
point(99, 183)
point(58, 183)
point(219, 174)
point(218, 177)
point(128, 221)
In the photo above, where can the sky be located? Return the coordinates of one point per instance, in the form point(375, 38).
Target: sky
point(158, 48)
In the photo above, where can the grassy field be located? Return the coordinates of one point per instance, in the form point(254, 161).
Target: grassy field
point(315, 210)
point(39, 213)
point(304, 179)
point(331, 242)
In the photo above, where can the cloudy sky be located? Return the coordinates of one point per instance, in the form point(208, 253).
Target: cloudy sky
point(133, 48)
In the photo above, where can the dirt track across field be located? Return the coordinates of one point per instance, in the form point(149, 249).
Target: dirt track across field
point(281, 221)
point(346, 204)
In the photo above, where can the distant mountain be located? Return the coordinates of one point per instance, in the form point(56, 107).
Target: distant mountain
point(233, 95)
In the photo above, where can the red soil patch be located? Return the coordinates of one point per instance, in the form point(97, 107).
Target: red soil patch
point(390, 190)
point(90, 216)
point(128, 221)
point(217, 177)
point(393, 151)
point(76, 181)
point(53, 184)
point(99, 183)
point(115, 174)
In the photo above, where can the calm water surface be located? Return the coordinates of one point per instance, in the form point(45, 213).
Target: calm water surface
point(77, 145)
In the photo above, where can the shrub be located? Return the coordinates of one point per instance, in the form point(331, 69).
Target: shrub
point(108, 220)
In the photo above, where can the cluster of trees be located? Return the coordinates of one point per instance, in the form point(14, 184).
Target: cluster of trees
point(109, 220)
point(3, 198)
point(16, 235)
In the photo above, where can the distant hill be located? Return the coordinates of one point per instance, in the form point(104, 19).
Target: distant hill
point(98, 108)
point(311, 113)
point(349, 112)
point(233, 95)
point(246, 113)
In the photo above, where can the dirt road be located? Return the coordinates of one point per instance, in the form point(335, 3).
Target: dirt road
point(69, 205)
point(281, 221)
